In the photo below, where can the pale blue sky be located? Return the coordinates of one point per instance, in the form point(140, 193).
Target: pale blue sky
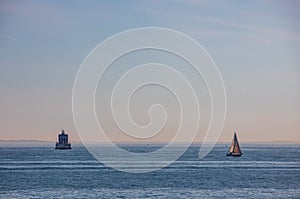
point(255, 44)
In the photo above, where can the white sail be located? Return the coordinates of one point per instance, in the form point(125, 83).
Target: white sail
point(234, 149)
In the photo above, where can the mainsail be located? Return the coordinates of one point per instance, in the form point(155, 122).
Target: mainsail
point(234, 149)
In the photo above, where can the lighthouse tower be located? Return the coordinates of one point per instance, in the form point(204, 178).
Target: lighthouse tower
point(63, 141)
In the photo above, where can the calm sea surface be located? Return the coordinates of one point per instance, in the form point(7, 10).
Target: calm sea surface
point(264, 171)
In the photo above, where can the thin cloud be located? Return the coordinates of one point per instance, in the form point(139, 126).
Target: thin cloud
point(252, 25)
point(7, 37)
point(261, 33)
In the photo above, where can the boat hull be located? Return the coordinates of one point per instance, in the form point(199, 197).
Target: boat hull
point(234, 154)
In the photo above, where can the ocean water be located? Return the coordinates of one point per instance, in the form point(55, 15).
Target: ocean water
point(264, 171)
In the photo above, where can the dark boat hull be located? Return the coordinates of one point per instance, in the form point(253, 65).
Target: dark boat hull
point(234, 154)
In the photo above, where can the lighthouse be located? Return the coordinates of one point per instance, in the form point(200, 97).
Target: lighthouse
point(63, 141)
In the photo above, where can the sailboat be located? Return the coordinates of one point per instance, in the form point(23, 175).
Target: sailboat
point(234, 149)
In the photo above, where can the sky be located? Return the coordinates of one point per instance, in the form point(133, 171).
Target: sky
point(255, 45)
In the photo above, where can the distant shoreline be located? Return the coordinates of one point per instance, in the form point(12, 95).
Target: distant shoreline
point(49, 142)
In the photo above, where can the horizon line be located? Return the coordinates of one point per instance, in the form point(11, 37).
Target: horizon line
point(157, 142)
